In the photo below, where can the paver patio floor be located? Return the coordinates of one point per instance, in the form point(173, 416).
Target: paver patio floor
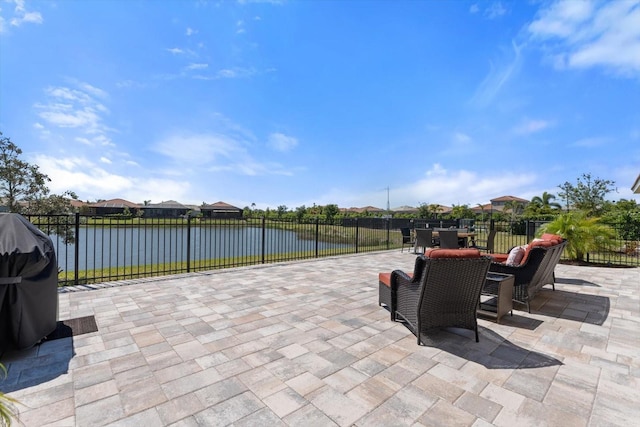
point(305, 343)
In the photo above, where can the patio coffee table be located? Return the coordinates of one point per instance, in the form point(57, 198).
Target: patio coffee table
point(496, 299)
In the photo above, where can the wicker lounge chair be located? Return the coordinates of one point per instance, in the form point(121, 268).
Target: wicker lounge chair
point(446, 295)
point(397, 278)
point(536, 271)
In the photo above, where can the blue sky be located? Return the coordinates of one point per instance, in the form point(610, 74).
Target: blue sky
point(301, 102)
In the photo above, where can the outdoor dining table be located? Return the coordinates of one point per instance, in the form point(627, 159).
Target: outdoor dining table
point(466, 235)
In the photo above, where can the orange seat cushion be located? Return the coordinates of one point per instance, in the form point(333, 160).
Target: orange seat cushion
point(537, 243)
point(452, 253)
point(549, 236)
point(385, 279)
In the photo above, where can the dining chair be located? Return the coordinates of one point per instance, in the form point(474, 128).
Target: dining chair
point(424, 239)
point(448, 239)
point(406, 237)
point(490, 242)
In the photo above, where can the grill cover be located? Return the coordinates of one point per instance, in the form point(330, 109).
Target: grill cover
point(28, 283)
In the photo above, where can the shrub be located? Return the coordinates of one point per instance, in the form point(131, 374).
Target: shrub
point(583, 234)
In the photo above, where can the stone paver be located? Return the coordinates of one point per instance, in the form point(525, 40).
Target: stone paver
point(305, 343)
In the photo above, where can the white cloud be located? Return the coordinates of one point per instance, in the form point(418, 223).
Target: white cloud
point(591, 142)
point(438, 185)
point(461, 138)
point(196, 66)
point(105, 160)
point(216, 153)
point(77, 109)
point(276, 2)
point(240, 27)
point(74, 114)
point(21, 15)
point(198, 149)
point(233, 73)
point(190, 31)
point(90, 181)
point(282, 142)
point(460, 186)
point(531, 126)
point(495, 10)
point(589, 34)
point(81, 175)
point(175, 50)
point(92, 90)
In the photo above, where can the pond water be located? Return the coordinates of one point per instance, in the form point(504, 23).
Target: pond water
point(104, 247)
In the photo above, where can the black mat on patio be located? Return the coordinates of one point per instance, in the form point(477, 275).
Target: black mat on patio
point(73, 327)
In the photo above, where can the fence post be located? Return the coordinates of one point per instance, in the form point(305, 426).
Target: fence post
point(76, 254)
point(264, 236)
point(188, 243)
point(388, 233)
point(357, 234)
point(317, 235)
point(531, 230)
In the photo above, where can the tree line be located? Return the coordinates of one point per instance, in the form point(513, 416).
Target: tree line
point(23, 189)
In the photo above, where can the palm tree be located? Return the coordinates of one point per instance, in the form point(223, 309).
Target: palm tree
point(8, 411)
point(583, 234)
point(513, 206)
point(545, 202)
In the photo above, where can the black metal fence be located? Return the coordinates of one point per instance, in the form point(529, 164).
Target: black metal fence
point(92, 250)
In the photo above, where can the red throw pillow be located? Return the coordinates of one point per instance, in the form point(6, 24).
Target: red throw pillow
point(452, 253)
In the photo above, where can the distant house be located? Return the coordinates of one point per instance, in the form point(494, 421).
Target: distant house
point(483, 209)
point(77, 204)
point(221, 210)
point(499, 203)
point(194, 210)
point(168, 209)
point(405, 210)
point(112, 207)
point(367, 209)
point(636, 186)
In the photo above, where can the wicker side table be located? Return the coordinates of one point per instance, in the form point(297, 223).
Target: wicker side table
point(497, 296)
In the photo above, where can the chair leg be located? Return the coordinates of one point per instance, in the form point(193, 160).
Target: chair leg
point(477, 340)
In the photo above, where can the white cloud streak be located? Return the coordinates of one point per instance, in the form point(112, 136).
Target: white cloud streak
point(73, 108)
point(497, 78)
point(216, 153)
